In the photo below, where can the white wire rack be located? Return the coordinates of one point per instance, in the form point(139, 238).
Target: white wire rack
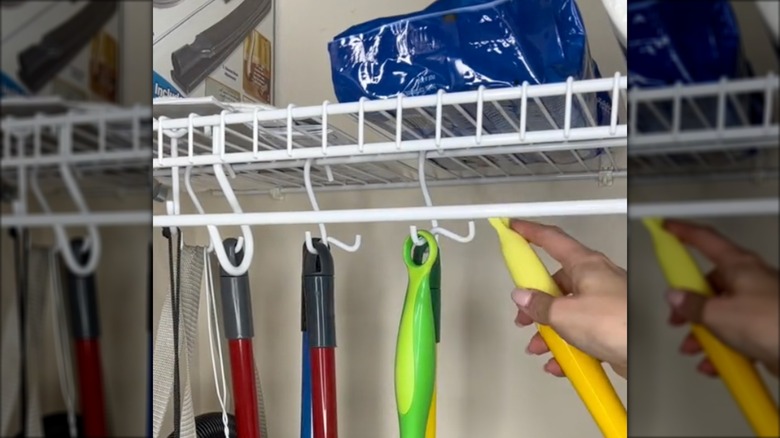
point(544, 132)
point(702, 132)
point(552, 132)
point(52, 146)
point(705, 133)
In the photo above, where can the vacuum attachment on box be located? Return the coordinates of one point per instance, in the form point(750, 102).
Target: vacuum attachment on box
point(193, 62)
point(41, 62)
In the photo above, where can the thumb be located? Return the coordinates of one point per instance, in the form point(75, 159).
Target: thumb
point(719, 314)
point(535, 304)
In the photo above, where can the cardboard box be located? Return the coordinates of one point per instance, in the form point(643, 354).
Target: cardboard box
point(37, 60)
point(219, 48)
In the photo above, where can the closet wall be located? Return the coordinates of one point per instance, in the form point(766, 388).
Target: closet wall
point(668, 396)
point(122, 274)
point(488, 387)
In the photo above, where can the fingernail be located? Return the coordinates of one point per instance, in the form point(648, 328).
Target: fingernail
point(528, 350)
point(521, 297)
point(675, 297)
point(517, 321)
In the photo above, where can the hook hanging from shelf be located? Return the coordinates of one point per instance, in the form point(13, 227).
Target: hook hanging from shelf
point(436, 230)
point(230, 197)
point(323, 232)
point(199, 208)
point(92, 242)
point(215, 244)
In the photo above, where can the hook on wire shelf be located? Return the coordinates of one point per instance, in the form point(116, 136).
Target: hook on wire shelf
point(245, 242)
point(323, 232)
point(92, 242)
point(436, 230)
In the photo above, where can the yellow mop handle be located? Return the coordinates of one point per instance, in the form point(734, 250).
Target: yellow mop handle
point(585, 373)
point(739, 375)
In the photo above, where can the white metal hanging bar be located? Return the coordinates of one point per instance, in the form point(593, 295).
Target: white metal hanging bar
point(720, 208)
point(323, 232)
point(405, 214)
point(435, 228)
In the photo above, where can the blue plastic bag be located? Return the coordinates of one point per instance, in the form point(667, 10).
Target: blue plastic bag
point(460, 45)
point(690, 41)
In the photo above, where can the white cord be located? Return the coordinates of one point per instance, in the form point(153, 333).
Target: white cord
point(212, 328)
point(63, 358)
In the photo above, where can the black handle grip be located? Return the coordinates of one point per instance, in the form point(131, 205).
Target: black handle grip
point(236, 297)
point(82, 296)
point(319, 296)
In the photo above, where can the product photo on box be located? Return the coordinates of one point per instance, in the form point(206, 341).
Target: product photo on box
point(214, 48)
point(68, 49)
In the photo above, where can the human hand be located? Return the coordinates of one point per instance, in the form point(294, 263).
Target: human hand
point(592, 314)
point(744, 312)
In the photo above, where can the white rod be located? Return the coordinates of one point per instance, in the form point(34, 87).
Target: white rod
point(434, 154)
point(709, 89)
point(390, 147)
point(459, 98)
point(725, 208)
point(400, 214)
point(116, 218)
point(76, 118)
point(436, 183)
point(94, 157)
point(710, 138)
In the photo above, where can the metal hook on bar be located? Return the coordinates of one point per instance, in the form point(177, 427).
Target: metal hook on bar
point(436, 229)
point(230, 196)
point(323, 232)
point(196, 201)
point(71, 260)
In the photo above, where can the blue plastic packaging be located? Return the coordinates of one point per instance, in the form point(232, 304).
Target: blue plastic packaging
point(460, 45)
point(691, 41)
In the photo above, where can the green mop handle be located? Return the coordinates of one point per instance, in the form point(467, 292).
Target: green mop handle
point(415, 356)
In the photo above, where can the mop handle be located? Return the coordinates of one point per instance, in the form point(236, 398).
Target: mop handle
point(86, 332)
point(585, 373)
point(415, 359)
point(418, 257)
point(239, 330)
point(740, 376)
point(306, 404)
point(318, 285)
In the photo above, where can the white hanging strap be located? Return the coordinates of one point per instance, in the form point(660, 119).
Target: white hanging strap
point(191, 285)
point(9, 367)
point(163, 364)
point(36, 299)
point(220, 382)
point(63, 353)
point(261, 406)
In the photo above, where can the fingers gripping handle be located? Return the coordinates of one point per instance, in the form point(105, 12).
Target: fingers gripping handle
point(739, 375)
point(585, 373)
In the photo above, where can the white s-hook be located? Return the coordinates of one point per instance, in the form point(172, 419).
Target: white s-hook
point(435, 228)
point(230, 196)
point(92, 242)
point(323, 232)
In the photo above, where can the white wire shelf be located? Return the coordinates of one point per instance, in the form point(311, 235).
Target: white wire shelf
point(724, 130)
point(104, 145)
point(533, 133)
point(50, 145)
point(564, 131)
